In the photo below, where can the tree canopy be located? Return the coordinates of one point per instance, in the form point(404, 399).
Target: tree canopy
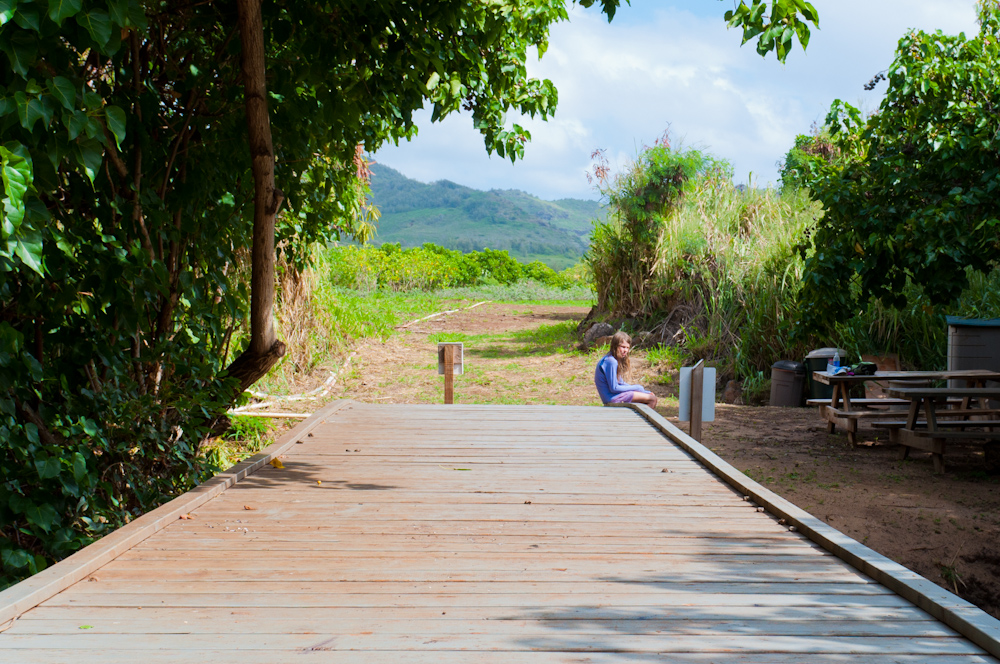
point(127, 228)
point(912, 193)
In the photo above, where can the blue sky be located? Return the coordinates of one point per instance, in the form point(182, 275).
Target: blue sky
point(674, 63)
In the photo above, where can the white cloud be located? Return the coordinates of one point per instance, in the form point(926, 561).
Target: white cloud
point(620, 85)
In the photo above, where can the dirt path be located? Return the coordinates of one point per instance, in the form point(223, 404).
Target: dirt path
point(946, 528)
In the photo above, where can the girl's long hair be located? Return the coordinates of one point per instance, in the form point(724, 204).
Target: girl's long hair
point(624, 366)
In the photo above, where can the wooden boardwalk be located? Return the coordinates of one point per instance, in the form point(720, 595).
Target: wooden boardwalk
point(479, 534)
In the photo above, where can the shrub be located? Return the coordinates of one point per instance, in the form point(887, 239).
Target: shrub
point(431, 267)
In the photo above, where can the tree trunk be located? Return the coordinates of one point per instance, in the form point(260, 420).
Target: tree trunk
point(265, 348)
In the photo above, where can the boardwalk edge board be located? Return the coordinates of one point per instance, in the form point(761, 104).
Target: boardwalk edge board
point(34, 590)
point(965, 618)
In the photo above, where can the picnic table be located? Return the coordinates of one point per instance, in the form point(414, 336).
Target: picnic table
point(932, 433)
point(841, 410)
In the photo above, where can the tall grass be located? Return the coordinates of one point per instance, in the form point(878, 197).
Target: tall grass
point(729, 273)
point(726, 275)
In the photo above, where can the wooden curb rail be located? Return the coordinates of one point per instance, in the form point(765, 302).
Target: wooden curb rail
point(34, 590)
point(965, 618)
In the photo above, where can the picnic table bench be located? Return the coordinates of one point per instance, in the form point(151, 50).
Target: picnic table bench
point(841, 410)
point(932, 433)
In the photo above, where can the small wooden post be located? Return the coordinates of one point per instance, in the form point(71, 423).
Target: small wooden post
point(449, 374)
point(697, 389)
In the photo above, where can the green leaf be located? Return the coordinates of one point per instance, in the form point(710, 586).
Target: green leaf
point(29, 110)
point(98, 24)
point(63, 90)
point(47, 467)
point(31, 432)
point(116, 123)
point(60, 10)
point(7, 8)
point(43, 516)
point(91, 100)
point(810, 13)
point(89, 154)
point(20, 48)
point(15, 558)
point(137, 15)
point(79, 467)
point(18, 503)
point(119, 12)
point(16, 172)
point(29, 250)
point(94, 128)
point(26, 16)
point(75, 122)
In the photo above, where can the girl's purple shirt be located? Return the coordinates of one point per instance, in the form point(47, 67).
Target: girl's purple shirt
point(606, 380)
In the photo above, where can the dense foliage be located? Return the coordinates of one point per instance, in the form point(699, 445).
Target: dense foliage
point(721, 276)
point(797, 166)
point(125, 232)
point(432, 267)
point(624, 255)
point(914, 197)
point(699, 264)
point(125, 229)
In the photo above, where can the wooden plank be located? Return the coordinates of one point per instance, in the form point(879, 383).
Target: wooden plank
point(551, 642)
point(524, 602)
point(536, 584)
point(965, 618)
point(446, 568)
point(913, 435)
point(164, 616)
point(862, 402)
point(225, 655)
point(968, 374)
point(318, 549)
point(931, 392)
point(942, 424)
point(554, 547)
point(19, 598)
point(227, 624)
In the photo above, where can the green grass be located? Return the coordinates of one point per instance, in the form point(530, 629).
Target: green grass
point(246, 437)
point(543, 340)
point(455, 337)
point(666, 356)
point(524, 292)
point(548, 339)
point(376, 314)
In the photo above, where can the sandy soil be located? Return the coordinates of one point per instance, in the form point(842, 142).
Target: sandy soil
point(945, 527)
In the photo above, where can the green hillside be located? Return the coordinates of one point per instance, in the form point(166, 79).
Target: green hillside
point(457, 217)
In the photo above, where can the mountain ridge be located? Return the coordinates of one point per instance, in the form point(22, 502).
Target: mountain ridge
point(459, 217)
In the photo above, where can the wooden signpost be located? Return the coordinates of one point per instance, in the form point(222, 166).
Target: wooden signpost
point(450, 364)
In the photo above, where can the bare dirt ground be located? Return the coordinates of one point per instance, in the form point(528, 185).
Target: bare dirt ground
point(945, 527)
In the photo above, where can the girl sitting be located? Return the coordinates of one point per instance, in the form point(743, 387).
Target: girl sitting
point(613, 369)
